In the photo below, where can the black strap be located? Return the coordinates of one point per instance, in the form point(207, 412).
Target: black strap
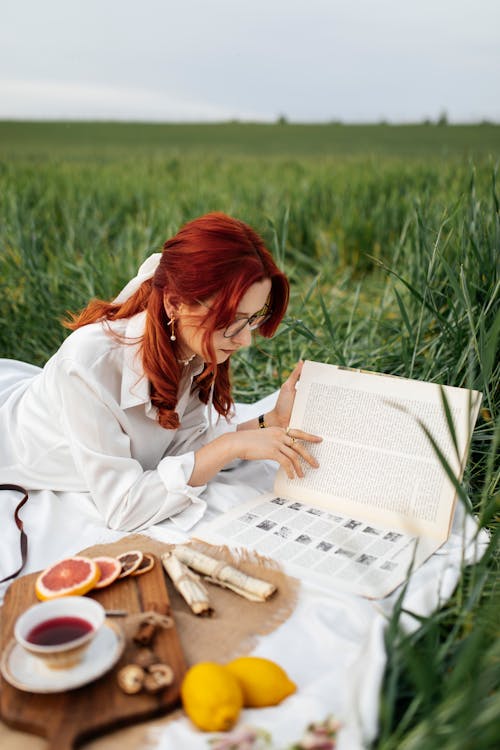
point(19, 524)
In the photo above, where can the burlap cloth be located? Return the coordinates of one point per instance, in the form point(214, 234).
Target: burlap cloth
point(233, 629)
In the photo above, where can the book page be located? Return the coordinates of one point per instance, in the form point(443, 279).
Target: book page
point(376, 463)
point(380, 503)
point(326, 548)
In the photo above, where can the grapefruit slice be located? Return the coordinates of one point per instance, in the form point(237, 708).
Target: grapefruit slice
point(145, 566)
point(73, 576)
point(110, 569)
point(129, 561)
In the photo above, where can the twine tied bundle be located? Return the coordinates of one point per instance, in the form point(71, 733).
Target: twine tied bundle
point(179, 563)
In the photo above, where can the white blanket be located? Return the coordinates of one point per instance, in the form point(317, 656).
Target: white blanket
point(332, 646)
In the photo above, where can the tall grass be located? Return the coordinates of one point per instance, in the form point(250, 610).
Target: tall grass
point(394, 267)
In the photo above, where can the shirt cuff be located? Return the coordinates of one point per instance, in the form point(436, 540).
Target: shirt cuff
point(187, 508)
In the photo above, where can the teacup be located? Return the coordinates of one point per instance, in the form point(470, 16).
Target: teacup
point(58, 631)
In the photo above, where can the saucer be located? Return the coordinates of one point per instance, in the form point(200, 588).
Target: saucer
point(27, 672)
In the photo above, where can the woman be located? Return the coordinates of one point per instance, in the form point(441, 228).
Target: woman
point(123, 410)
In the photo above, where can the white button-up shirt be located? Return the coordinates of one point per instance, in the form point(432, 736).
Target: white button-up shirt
point(86, 423)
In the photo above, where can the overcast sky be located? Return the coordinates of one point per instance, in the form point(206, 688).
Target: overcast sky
point(196, 60)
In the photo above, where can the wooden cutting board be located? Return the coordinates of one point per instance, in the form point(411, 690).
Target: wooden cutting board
point(68, 719)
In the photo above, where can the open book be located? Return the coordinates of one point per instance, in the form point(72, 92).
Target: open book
point(381, 502)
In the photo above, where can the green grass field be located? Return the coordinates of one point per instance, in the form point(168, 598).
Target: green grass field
point(391, 239)
point(75, 140)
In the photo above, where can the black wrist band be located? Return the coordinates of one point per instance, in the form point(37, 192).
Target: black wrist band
point(262, 422)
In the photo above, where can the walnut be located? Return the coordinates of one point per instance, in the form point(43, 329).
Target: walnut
point(131, 678)
point(158, 677)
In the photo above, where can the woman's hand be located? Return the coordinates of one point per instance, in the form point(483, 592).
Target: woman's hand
point(277, 444)
point(281, 413)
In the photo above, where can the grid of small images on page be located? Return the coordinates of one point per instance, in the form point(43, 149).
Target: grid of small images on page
point(321, 541)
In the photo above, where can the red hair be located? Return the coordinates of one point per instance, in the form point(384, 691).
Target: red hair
point(213, 257)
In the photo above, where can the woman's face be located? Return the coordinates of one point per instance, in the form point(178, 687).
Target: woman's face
point(189, 328)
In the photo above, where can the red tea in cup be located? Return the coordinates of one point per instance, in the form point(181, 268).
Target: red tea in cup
point(58, 630)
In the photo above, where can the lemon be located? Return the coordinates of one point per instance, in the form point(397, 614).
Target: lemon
point(211, 696)
point(263, 682)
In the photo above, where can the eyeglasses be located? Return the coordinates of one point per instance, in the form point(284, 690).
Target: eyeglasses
point(252, 321)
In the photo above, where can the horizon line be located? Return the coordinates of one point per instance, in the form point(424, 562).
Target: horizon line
point(281, 120)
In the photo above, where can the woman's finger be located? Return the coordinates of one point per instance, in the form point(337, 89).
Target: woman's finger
point(304, 453)
point(293, 456)
point(295, 374)
point(284, 461)
point(301, 435)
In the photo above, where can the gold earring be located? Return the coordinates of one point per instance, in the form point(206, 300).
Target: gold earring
point(171, 323)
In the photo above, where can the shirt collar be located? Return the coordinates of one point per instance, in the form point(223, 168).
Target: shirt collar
point(135, 385)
